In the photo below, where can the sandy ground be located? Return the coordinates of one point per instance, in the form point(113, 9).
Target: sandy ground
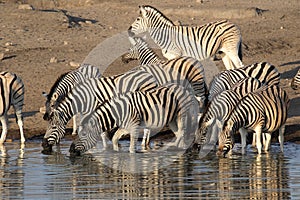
point(39, 44)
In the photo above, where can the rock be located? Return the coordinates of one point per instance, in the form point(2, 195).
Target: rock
point(25, 7)
point(9, 44)
point(53, 60)
point(43, 110)
point(1, 56)
point(74, 64)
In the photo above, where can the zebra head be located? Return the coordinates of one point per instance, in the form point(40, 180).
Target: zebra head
point(56, 128)
point(137, 44)
point(88, 134)
point(225, 138)
point(149, 17)
point(202, 130)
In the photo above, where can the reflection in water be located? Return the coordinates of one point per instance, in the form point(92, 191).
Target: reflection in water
point(11, 171)
point(25, 172)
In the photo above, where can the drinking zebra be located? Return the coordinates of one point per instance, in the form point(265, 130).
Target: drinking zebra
point(65, 83)
point(218, 111)
point(200, 42)
point(170, 105)
point(12, 93)
point(265, 72)
point(262, 111)
point(181, 70)
point(86, 96)
point(295, 83)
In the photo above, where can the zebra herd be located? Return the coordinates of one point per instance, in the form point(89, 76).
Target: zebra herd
point(161, 93)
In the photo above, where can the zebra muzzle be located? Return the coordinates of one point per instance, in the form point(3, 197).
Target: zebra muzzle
point(47, 148)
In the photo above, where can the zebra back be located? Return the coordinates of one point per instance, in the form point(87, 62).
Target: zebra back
point(295, 83)
point(183, 71)
point(141, 51)
point(265, 72)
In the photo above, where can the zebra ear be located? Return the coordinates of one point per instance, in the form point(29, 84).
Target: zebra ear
point(143, 11)
point(44, 94)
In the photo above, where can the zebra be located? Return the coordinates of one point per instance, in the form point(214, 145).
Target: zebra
point(87, 95)
point(65, 83)
point(262, 111)
point(169, 104)
point(182, 70)
point(295, 83)
point(263, 71)
point(218, 110)
point(12, 91)
point(200, 42)
point(141, 51)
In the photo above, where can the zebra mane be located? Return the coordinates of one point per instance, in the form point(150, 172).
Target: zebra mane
point(55, 85)
point(157, 13)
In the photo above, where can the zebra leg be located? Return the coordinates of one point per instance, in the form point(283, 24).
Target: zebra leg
point(254, 140)
point(145, 141)
point(104, 139)
point(258, 139)
point(4, 123)
point(244, 134)
point(266, 141)
point(118, 134)
point(133, 140)
point(281, 137)
point(231, 59)
point(76, 120)
point(19, 119)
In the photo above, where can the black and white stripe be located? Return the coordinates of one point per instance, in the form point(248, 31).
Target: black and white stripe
point(170, 105)
point(65, 83)
point(90, 93)
point(182, 70)
point(295, 83)
point(11, 93)
point(262, 111)
point(265, 72)
point(200, 42)
point(219, 108)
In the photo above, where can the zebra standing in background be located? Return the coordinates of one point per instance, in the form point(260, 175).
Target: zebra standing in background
point(182, 70)
point(265, 72)
point(198, 42)
point(170, 105)
point(218, 111)
point(12, 93)
point(295, 83)
point(87, 95)
point(263, 111)
point(65, 83)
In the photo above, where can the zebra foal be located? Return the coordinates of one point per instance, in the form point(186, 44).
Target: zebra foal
point(200, 42)
point(170, 105)
point(12, 93)
point(262, 111)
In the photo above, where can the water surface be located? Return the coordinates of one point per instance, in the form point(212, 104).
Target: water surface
point(27, 174)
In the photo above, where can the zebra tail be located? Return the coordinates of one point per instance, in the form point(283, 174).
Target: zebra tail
point(240, 53)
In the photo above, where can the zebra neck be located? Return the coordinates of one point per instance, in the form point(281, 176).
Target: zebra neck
point(159, 35)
